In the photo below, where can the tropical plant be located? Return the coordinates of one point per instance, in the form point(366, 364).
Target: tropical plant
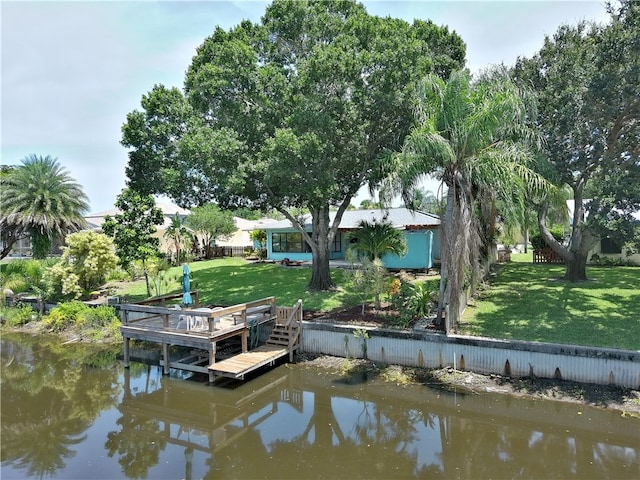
point(373, 240)
point(211, 223)
point(133, 227)
point(180, 236)
point(368, 278)
point(425, 201)
point(40, 200)
point(466, 135)
point(260, 236)
point(296, 111)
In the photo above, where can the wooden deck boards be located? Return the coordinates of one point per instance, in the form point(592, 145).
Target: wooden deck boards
point(239, 365)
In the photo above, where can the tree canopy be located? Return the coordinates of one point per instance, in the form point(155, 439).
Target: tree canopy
point(39, 199)
point(297, 111)
point(587, 78)
point(133, 227)
point(212, 224)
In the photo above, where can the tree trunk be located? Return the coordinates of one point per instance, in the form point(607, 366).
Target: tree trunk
point(576, 270)
point(320, 272)
point(582, 241)
point(445, 260)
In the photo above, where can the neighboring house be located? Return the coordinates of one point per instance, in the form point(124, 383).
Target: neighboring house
point(241, 237)
point(606, 248)
point(421, 231)
point(95, 221)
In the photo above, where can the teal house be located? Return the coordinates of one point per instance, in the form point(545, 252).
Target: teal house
point(421, 231)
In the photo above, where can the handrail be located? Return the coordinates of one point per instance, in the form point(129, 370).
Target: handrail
point(165, 312)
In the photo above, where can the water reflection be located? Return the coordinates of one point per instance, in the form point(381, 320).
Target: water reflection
point(49, 401)
point(292, 422)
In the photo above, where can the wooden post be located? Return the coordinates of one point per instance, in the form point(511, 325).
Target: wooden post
point(245, 337)
point(165, 356)
point(212, 360)
point(126, 352)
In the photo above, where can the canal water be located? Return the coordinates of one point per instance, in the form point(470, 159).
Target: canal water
point(73, 411)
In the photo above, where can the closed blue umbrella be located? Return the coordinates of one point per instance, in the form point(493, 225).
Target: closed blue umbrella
point(186, 287)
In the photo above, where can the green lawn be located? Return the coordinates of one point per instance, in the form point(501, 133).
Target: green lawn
point(229, 281)
point(525, 301)
point(528, 302)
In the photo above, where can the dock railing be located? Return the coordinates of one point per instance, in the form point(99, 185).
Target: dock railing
point(289, 319)
point(241, 314)
point(162, 300)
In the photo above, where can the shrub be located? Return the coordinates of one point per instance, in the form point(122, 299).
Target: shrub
point(15, 316)
point(96, 321)
point(65, 315)
point(537, 242)
point(414, 300)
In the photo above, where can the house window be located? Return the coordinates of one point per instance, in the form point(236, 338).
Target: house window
point(337, 243)
point(289, 243)
point(609, 246)
point(294, 243)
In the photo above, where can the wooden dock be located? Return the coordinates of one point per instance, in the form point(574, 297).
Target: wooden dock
point(202, 329)
point(239, 365)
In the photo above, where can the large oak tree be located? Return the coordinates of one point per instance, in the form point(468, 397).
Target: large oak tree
point(588, 82)
point(294, 112)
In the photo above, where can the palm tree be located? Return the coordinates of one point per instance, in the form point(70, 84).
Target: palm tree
point(40, 199)
point(373, 240)
point(180, 235)
point(472, 137)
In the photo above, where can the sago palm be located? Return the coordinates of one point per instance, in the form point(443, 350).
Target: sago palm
point(39, 198)
point(473, 137)
point(374, 240)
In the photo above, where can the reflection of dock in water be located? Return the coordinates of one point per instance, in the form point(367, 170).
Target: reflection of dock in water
point(266, 333)
point(187, 412)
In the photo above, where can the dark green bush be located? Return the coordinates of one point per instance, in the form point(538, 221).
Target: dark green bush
point(537, 242)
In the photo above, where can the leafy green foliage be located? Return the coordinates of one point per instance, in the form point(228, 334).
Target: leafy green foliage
point(20, 314)
point(39, 199)
point(211, 223)
point(85, 264)
point(374, 240)
point(181, 237)
point(295, 112)
point(162, 280)
point(587, 78)
point(368, 279)
point(79, 316)
point(537, 240)
point(475, 137)
point(132, 228)
point(414, 299)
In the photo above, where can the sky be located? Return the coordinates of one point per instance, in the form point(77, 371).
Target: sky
point(71, 71)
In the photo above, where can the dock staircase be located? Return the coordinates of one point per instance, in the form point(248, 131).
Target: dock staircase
point(284, 339)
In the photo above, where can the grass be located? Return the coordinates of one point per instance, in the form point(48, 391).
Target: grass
point(529, 302)
point(525, 301)
point(229, 281)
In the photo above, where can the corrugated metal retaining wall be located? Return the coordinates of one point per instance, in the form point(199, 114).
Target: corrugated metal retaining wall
point(481, 355)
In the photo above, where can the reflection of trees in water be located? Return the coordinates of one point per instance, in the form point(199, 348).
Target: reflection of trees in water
point(484, 448)
point(49, 399)
point(139, 440)
point(39, 442)
point(138, 444)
